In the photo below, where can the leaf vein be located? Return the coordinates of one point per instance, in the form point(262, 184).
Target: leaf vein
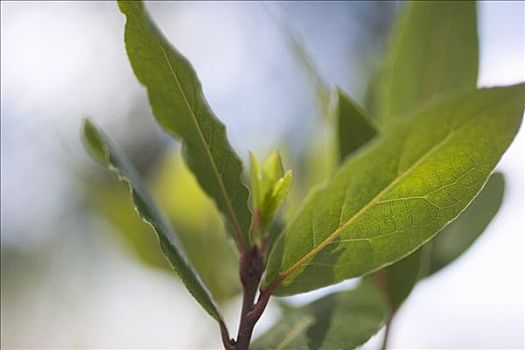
point(222, 188)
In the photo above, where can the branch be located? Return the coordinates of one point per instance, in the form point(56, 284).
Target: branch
point(251, 268)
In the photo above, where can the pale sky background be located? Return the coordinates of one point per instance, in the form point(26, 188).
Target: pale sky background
point(61, 61)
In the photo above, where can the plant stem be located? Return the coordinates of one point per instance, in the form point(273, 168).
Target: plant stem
point(251, 268)
point(229, 344)
point(388, 325)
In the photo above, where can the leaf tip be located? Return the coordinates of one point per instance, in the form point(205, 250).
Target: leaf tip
point(125, 5)
point(93, 142)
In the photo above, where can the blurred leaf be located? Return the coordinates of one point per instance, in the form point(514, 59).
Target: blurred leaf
point(372, 98)
point(459, 235)
point(433, 50)
point(354, 128)
point(192, 214)
point(103, 151)
point(398, 280)
point(199, 226)
point(112, 201)
point(342, 320)
point(255, 181)
point(318, 160)
point(398, 193)
point(179, 105)
point(320, 157)
point(305, 61)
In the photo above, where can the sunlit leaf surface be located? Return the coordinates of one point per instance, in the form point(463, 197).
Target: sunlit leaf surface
point(398, 193)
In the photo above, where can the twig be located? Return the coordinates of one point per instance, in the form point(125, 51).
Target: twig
point(388, 325)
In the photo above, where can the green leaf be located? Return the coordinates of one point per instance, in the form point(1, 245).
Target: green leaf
point(111, 201)
point(191, 213)
point(273, 167)
point(199, 226)
point(179, 106)
point(398, 193)
point(103, 151)
point(434, 50)
point(354, 128)
point(459, 235)
point(270, 186)
point(398, 280)
point(255, 179)
point(342, 320)
point(275, 197)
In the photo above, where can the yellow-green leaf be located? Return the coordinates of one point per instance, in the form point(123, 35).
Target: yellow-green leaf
point(398, 193)
point(460, 234)
point(434, 50)
point(276, 196)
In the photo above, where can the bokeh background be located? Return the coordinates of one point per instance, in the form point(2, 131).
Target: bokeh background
point(69, 276)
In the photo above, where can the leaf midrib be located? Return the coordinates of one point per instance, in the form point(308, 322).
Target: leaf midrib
point(367, 206)
point(222, 188)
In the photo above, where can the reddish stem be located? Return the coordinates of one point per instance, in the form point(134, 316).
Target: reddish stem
point(251, 269)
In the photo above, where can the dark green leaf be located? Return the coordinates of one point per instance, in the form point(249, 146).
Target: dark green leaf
point(179, 105)
point(354, 128)
point(459, 235)
point(398, 193)
point(103, 151)
point(398, 280)
point(434, 50)
point(342, 320)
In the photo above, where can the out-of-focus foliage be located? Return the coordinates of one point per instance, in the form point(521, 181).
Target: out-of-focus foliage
point(111, 199)
point(354, 127)
point(459, 235)
point(104, 152)
point(190, 211)
point(343, 320)
point(199, 226)
point(433, 51)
